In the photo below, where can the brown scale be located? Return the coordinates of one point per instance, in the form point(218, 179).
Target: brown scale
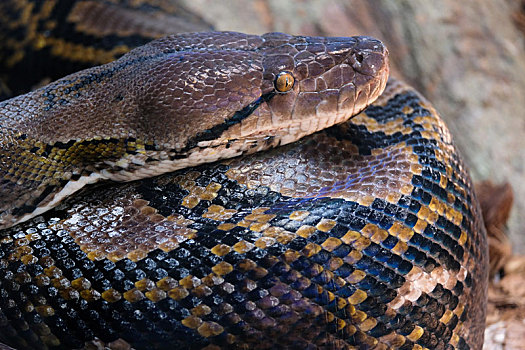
point(122, 229)
point(283, 316)
point(308, 173)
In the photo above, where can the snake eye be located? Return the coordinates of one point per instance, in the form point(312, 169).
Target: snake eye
point(284, 82)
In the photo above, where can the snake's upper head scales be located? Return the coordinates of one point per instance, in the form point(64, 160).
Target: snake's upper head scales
point(176, 102)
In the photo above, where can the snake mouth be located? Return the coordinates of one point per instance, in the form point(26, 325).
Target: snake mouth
point(350, 102)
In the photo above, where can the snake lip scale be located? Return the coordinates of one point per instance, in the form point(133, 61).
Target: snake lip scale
point(177, 102)
point(360, 231)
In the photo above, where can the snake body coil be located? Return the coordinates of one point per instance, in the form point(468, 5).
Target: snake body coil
point(364, 235)
point(177, 102)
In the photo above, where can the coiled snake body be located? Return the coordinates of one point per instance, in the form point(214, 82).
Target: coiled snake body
point(363, 235)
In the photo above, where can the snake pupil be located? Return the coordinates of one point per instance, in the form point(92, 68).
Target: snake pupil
point(284, 82)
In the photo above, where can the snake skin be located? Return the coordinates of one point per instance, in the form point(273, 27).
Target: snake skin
point(177, 102)
point(364, 236)
point(43, 40)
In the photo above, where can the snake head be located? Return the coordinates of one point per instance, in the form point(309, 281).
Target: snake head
point(333, 80)
point(218, 95)
point(255, 92)
point(176, 102)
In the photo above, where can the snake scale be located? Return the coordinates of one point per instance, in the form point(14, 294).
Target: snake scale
point(364, 235)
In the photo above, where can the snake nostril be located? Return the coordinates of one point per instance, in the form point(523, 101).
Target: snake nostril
point(368, 63)
point(369, 56)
